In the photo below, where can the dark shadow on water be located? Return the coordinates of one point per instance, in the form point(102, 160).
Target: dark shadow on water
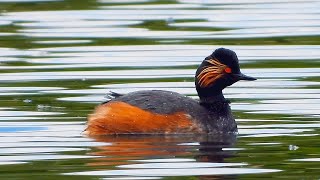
point(211, 149)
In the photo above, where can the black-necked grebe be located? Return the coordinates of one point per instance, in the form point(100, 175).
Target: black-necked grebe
point(165, 112)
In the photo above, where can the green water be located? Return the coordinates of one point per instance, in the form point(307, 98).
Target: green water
point(58, 59)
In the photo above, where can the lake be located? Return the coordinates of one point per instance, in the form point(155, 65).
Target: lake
point(59, 58)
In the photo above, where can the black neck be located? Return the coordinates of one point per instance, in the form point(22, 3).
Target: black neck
point(213, 99)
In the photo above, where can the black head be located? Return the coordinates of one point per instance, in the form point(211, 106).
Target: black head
point(217, 71)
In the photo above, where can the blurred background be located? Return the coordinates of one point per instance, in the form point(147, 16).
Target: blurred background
point(58, 59)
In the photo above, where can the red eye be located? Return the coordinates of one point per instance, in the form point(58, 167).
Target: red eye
point(228, 70)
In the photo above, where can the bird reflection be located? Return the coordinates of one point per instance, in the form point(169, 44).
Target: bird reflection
point(125, 150)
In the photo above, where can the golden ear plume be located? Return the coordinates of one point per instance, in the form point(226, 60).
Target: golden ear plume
point(211, 73)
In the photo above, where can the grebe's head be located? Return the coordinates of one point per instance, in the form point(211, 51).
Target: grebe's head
point(217, 71)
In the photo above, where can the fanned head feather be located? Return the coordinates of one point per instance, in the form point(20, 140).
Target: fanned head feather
point(211, 72)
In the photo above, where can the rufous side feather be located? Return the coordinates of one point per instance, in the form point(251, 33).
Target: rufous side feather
point(122, 118)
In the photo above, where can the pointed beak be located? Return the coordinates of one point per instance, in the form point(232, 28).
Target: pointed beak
point(244, 77)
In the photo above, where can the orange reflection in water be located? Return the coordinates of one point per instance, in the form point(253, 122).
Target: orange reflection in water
point(124, 149)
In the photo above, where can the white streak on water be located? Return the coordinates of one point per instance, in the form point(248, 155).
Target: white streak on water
point(176, 172)
point(177, 165)
point(149, 74)
point(307, 160)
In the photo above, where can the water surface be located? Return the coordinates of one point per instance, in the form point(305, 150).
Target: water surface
point(58, 59)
